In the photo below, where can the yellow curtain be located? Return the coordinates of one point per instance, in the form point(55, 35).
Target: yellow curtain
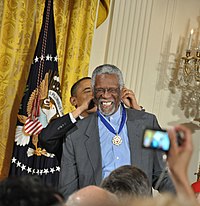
point(104, 6)
point(20, 22)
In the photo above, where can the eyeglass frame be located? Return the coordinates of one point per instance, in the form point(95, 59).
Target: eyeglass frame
point(110, 90)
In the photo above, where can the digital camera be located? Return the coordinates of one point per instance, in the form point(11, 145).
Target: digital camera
point(158, 139)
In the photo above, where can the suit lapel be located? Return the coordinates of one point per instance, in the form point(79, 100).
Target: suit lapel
point(92, 145)
point(133, 126)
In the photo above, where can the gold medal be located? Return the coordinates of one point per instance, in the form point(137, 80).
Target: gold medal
point(117, 140)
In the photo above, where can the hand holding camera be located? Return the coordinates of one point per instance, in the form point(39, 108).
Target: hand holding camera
point(177, 142)
point(178, 159)
point(179, 155)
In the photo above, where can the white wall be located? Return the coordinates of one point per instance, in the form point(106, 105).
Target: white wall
point(142, 37)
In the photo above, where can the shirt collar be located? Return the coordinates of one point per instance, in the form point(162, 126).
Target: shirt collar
point(81, 117)
point(116, 117)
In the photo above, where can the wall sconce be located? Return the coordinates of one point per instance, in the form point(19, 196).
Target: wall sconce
point(186, 78)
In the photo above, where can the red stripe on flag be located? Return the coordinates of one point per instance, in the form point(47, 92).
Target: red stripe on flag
point(32, 126)
point(38, 129)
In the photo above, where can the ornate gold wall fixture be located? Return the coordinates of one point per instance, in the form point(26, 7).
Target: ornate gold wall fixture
point(186, 76)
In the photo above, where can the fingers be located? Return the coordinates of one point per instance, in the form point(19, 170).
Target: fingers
point(172, 137)
point(185, 133)
point(129, 99)
point(187, 136)
point(127, 92)
point(186, 143)
point(179, 156)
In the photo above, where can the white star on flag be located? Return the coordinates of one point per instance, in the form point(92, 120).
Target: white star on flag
point(29, 170)
point(58, 168)
point(41, 171)
point(18, 164)
point(47, 57)
point(46, 171)
point(50, 58)
point(14, 160)
point(23, 167)
point(36, 59)
point(55, 59)
point(52, 170)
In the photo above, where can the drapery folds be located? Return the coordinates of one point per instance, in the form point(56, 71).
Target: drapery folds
point(20, 23)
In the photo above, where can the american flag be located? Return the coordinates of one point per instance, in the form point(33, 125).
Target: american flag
point(40, 104)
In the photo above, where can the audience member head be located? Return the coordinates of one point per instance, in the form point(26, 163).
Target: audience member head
point(92, 196)
point(27, 191)
point(127, 182)
point(107, 85)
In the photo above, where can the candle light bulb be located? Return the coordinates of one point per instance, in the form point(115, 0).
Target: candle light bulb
point(190, 39)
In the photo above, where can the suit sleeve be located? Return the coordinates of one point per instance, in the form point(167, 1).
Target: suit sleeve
point(159, 170)
point(51, 137)
point(68, 179)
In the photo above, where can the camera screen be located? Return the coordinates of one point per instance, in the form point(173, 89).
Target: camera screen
point(156, 139)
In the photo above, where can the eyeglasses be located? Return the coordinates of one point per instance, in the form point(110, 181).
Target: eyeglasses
point(100, 91)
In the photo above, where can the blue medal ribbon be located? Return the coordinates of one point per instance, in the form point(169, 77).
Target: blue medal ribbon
point(109, 126)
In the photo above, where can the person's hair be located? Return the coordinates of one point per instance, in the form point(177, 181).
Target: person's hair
point(127, 181)
point(107, 69)
point(28, 190)
point(76, 84)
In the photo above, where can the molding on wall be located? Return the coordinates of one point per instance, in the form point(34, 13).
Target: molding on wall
point(129, 38)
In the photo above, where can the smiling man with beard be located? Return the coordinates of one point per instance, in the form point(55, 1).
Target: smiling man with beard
point(109, 138)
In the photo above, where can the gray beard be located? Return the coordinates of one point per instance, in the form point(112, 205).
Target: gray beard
point(107, 114)
point(110, 113)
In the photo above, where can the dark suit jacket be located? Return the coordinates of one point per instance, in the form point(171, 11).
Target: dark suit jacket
point(51, 137)
point(81, 162)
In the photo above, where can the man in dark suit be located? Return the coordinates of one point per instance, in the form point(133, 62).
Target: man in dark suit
point(51, 137)
point(109, 138)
